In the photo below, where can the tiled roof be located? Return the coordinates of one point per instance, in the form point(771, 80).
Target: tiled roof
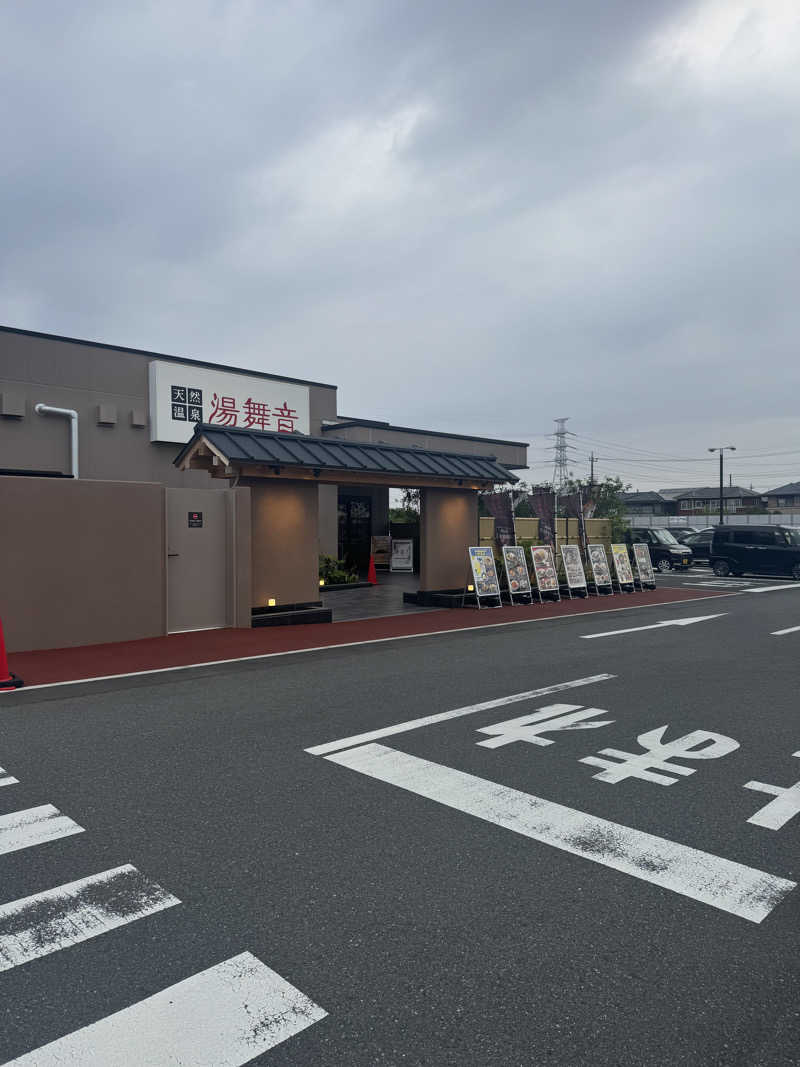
point(240, 446)
point(785, 490)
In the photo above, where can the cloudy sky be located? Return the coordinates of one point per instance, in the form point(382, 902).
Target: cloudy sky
point(469, 216)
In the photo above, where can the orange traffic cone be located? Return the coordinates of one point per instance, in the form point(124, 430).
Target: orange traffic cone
point(372, 577)
point(7, 679)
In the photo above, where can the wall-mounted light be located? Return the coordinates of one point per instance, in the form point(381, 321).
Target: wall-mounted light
point(470, 588)
point(271, 602)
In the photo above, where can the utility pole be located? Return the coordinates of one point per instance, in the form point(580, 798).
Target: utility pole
point(722, 449)
point(592, 458)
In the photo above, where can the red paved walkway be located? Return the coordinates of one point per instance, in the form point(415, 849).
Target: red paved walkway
point(206, 646)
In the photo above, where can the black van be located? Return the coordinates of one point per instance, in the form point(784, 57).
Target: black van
point(755, 550)
point(665, 551)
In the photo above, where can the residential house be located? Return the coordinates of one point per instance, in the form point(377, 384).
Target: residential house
point(786, 498)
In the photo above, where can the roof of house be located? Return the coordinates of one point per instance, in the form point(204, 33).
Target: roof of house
point(643, 498)
point(708, 492)
point(783, 490)
point(239, 446)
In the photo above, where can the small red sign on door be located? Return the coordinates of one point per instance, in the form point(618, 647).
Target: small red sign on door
point(195, 519)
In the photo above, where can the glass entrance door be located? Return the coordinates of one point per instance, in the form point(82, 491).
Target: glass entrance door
point(355, 530)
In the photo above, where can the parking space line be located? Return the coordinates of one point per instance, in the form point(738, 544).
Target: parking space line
point(772, 588)
point(228, 1014)
point(456, 713)
point(37, 925)
point(8, 780)
point(34, 826)
point(789, 630)
point(731, 887)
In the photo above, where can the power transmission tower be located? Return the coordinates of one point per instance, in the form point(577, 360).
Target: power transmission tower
point(560, 472)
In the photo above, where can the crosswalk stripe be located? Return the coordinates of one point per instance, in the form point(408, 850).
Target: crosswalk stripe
point(6, 779)
point(222, 1017)
point(732, 887)
point(34, 826)
point(37, 925)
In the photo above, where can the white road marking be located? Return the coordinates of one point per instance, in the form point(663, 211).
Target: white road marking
point(780, 633)
point(654, 626)
point(7, 779)
point(732, 887)
point(354, 644)
point(699, 744)
point(34, 826)
point(779, 811)
point(530, 727)
point(456, 713)
point(223, 1017)
point(773, 588)
point(45, 922)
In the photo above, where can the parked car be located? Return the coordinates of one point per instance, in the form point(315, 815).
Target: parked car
point(665, 551)
point(680, 533)
point(756, 550)
point(700, 544)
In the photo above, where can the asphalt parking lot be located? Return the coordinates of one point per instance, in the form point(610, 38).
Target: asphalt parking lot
point(570, 841)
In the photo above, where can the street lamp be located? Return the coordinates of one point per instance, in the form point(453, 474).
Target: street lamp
point(721, 450)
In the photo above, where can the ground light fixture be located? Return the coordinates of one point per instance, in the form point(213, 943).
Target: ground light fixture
point(722, 449)
point(271, 602)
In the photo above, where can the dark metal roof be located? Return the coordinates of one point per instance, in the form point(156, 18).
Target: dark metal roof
point(345, 422)
point(711, 492)
point(792, 488)
point(643, 498)
point(240, 446)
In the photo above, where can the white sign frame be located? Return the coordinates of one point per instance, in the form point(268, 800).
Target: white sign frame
point(401, 558)
point(576, 562)
point(597, 583)
point(256, 402)
point(539, 570)
point(648, 578)
point(619, 553)
point(474, 553)
point(519, 551)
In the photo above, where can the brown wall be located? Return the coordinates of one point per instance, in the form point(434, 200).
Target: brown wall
point(285, 542)
point(80, 561)
point(72, 374)
point(448, 526)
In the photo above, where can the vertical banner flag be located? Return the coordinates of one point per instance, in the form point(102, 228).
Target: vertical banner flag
point(644, 564)
point(622, 564)
point(573, 566)
point(484, 572)
point(499, 506)
point(543, 507)
point(545, 569)
point(519, 580)
point(599, 562)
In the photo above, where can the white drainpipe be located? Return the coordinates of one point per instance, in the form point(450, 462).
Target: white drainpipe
point(45, 409)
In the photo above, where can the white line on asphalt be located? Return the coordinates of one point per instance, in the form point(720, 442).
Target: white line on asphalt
point(355, 644)
point(654, 626)
point(7, 780)
point(34, 826)
point(45, 922)
point(780, 633)
point(223, 1017)
point(456, 713)
point(773, 588)
point(732, 887)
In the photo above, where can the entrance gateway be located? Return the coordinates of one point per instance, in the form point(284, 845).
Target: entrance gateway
point(284, 473)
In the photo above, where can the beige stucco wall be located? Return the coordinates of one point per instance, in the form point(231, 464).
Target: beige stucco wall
point(448, 526)
point(285, 542)
point(81, 562)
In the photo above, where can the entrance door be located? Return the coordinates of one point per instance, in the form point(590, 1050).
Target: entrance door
point(197, 551)
point(355, 529)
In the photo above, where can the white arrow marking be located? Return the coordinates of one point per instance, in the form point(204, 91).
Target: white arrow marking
point(655, 626)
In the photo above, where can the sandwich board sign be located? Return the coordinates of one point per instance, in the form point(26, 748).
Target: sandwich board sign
point(380, 549)
point(644, 564)
point(484, 574)
point(622, 564)
point(402, 557)
point(544, 568)
point(519, 580)
point(600, 568)
point(573, 568)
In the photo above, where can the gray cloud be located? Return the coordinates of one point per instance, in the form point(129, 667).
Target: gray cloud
point(470, 217)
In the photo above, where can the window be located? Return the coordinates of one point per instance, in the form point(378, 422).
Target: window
point(687, 505)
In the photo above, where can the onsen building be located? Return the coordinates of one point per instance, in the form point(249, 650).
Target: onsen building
point(143, 493)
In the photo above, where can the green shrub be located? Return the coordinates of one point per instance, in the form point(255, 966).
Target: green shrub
point(336, 572)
